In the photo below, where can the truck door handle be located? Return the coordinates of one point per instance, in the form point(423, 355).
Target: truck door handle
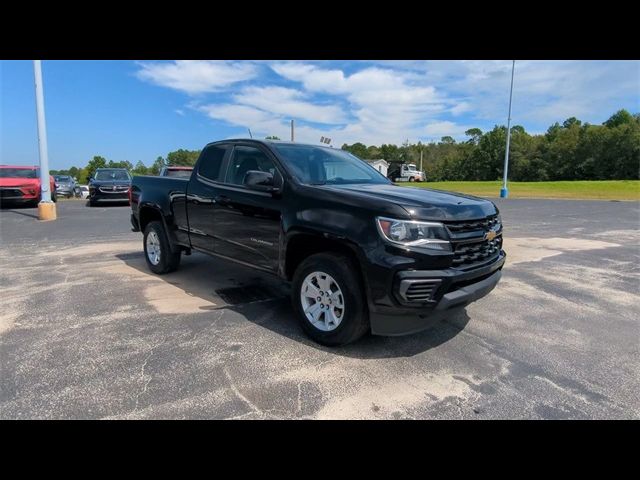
point(223, 200)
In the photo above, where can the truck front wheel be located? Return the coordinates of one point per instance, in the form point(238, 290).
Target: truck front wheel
point(157, 251)
point(328, 299)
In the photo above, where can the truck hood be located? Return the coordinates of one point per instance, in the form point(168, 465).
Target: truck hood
point(423, 203)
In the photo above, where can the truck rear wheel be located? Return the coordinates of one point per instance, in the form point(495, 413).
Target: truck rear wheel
point(328, 299)
point(157, 251)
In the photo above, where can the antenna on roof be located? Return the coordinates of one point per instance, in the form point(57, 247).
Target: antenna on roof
point(250, 132)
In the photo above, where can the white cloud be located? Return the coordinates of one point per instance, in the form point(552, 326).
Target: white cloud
point(388, 105)
point(436, 130)
point(196, 76)
point(313, 78)
point(392, 101)
point(241, 115)
point(544, 91)
point(289, 102)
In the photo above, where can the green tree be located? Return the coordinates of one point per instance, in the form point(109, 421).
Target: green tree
point(621, 117)
point(83, 175)
point(95, 163)
point(183, 157)
point(447, 139)
point(157, 166)
point(569, 122)
point(358, 149)
point(121, 164)
point(475, 135)
point(271, 137)
point(140, 169)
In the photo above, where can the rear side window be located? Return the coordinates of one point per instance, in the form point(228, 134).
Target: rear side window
point(211, 161)
point(246, 159)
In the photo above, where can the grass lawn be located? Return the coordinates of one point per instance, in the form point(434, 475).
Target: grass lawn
point(579, 190)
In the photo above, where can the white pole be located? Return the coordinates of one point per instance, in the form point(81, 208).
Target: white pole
point(504, 192)
point(292, 128)
point(42, 134)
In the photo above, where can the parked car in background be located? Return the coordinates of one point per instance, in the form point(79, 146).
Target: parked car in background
point(21, 184)
point(176, 171)
point(83, 191)
point(65, 185)
point(109, 185)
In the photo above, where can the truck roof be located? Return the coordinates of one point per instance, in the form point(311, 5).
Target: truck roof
point(270, 142)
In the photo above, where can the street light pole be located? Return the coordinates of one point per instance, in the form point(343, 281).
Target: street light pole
point(504, 192)
point(46, 208)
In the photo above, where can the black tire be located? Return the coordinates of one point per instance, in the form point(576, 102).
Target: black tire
point(412, 179)
point(54, 197)
point(342, 268)
point(169, 260)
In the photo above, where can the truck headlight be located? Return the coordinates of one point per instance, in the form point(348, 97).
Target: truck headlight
point(411, 233)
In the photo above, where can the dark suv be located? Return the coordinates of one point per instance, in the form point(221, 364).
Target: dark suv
point(362, 253)
point(109, 185)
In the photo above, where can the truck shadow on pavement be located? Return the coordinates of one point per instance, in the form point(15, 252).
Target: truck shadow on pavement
point(264, 300)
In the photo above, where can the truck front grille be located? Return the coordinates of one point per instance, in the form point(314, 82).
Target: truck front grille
point(477, 252)
point(485, 224)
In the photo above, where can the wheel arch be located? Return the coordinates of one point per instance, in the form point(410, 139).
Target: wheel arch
point(301, 245)
point(149, 213)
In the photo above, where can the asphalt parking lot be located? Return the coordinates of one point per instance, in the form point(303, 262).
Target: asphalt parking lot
point(86, 331)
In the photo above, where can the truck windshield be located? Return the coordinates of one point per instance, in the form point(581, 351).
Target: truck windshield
point(322, 165)
point(411, 167)
point(112, 175)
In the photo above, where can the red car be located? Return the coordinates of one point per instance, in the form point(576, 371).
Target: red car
point(22, 184)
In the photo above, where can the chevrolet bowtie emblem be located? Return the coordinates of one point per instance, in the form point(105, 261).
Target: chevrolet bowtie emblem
point(490, 235)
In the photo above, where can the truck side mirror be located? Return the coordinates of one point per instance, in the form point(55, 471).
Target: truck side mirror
point(260, 181)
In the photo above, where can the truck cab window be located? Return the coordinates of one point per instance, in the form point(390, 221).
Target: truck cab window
point(211, 161)
point(245, 159)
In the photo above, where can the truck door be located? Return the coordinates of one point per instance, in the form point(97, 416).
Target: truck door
point(248, 221)
point(201, 193)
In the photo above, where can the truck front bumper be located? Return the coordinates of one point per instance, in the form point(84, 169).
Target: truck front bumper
point(460, 289)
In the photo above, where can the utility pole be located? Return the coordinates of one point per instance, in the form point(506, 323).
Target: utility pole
point(46, 208)
point(292, 128)
point(421, 158)
point(504, 192)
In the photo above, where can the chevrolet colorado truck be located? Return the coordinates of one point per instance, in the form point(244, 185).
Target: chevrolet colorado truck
point(362, 254)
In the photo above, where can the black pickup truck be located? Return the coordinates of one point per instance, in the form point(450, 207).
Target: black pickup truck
point(362, 254)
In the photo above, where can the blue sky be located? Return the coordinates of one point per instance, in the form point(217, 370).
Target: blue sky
point(126, 110)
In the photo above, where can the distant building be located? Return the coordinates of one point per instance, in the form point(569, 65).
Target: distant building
point(381, 165)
